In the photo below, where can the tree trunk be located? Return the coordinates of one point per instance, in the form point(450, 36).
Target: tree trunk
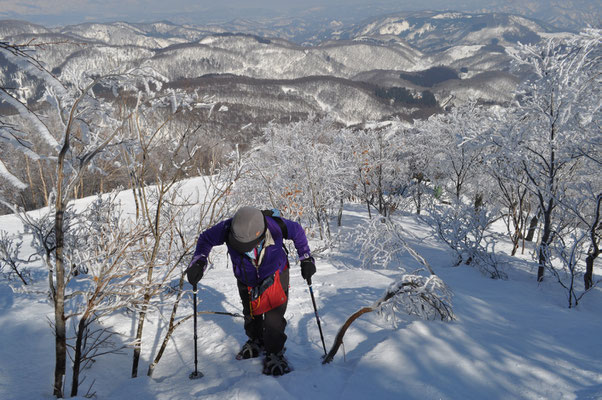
point(44, 186)
point(139, 330)
point(59, 306)
point(380, 190)
point(532, 229)
point(418, 198)
point(59, 273)
point(77, 359)
point(171, 328)
point(594, 250)
point(478, 202)
point(546, 238)
point(589, 270)
point(338, 341)
point(33, 197)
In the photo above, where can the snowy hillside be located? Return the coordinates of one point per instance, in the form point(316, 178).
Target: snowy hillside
point(512, 339)
point(432, 31)
point(397, 42)
point(257, 76)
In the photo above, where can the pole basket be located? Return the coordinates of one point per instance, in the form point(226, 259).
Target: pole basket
point(195, 375)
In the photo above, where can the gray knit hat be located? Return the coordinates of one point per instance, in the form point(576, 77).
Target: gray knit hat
point(247, 229)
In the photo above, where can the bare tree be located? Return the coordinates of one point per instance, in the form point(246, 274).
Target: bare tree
point(105, 261)
point(164, 152)
point(84, 128)
point(182, 237)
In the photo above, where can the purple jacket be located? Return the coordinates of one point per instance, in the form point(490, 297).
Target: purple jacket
point(273, 259)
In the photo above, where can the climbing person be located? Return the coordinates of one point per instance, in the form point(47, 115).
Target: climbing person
point(254, 239)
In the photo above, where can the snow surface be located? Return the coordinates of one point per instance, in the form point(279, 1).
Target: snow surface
point(394, 28)
point(512, 339)
point(450, 16)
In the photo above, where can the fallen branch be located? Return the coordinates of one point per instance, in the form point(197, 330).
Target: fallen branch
point(427, 297)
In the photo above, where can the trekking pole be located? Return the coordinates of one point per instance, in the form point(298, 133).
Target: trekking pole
point(313, 300)
point(196, 374)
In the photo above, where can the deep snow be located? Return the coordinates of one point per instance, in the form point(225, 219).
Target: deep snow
point(513, 339)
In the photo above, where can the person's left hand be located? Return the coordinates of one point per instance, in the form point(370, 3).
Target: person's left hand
point(308, 268)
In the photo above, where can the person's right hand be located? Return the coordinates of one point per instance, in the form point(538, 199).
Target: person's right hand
point(195, 271)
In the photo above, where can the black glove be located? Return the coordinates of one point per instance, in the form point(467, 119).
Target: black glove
point(308, 268)
point(194, 273)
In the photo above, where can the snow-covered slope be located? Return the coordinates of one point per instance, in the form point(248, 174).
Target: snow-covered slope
point(512, 339)
point(340, 75)
point(10, 28)
point(432, 31)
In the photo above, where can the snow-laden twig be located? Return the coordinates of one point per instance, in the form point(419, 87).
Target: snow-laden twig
point(9, 257)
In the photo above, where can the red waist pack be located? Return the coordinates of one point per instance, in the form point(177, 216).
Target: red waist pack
point(267, 296)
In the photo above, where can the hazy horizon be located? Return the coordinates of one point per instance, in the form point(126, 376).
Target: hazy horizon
point(572, 14)
point(67, 12)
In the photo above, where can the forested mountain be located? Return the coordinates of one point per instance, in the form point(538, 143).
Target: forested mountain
point(268, 77)
point(401, 67)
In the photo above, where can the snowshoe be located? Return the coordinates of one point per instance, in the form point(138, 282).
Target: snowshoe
point(251, 349)
point(275, 364)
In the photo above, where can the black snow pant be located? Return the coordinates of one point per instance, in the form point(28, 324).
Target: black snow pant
point(269, 327)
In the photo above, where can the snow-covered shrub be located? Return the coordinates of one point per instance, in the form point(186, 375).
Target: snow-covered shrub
point(567, 266)
point(463, 227)
point(381, 243)
point(571, 256)
point(426, 297)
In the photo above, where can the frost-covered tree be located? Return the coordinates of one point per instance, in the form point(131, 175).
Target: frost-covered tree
point(299, 169)
point(450, 152)
point(513, 197)
point(382, 174)
point(455, 155)
point(557, 125)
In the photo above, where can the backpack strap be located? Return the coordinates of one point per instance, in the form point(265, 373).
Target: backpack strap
point(281, 225)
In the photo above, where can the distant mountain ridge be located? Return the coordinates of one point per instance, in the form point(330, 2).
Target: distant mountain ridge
point(433, 31)
point(379, 69)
